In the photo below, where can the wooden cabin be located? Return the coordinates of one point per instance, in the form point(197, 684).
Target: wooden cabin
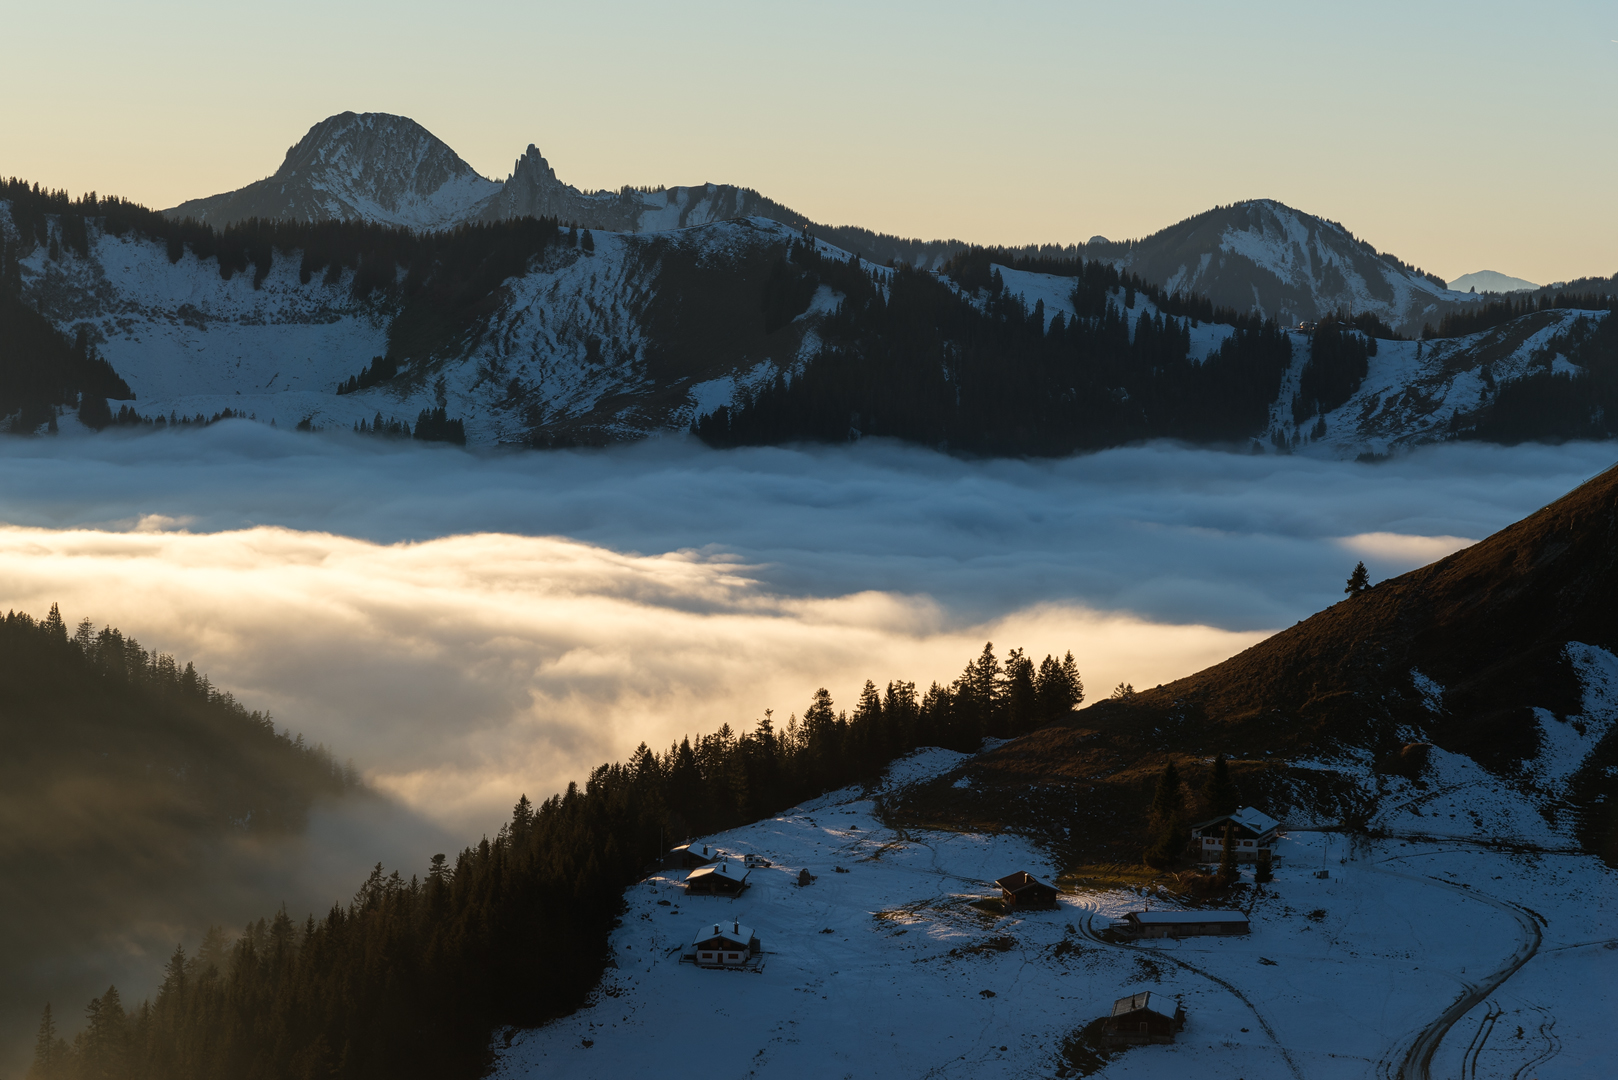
point(721, 946)
point(1176, 924)
point(716, 879)
point(690, 856)
point(1252, 833)
point(1143, 1018)
point(1023, 890)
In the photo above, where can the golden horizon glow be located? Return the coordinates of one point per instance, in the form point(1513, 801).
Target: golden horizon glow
point(1457, 144)
point(464, 671)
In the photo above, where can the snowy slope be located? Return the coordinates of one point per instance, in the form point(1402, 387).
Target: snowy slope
point(1423, 391)
point(1056, 293)
point(634, 337)
point(370, 167)
point(586, 345)
point(1265, 257)
point(889, 970)
point(1257, 256)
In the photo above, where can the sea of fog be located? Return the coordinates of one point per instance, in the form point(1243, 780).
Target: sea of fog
point(472, 626)
point(468, 627)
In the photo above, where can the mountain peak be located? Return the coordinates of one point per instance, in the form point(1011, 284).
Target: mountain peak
point(1491, 281)
point(371, 166)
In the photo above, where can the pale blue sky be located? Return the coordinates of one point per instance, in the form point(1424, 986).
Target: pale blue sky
point(1459, 136)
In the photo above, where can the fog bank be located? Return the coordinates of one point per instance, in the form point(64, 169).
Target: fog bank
point(469, 627)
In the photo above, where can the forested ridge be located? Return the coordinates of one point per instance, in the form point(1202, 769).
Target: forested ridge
point(98, 702)
point(972, 368)
point(414, 977)
point(436, 286)
point(135, 794)
point(1550, 405)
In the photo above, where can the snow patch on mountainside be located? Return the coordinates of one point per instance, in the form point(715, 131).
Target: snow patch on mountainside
point(1057, 295)
point(1415, 391)
point(568, 341)
point(1268, 258)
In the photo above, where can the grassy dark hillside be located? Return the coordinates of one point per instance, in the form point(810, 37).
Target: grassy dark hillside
point(1490, 624)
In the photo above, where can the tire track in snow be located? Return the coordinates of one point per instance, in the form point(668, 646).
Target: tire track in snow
point(1418, 1059)
point(1087, 925)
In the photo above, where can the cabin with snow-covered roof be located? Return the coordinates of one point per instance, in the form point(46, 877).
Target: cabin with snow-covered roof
point(1175, 924)
point(690, 856)
point(720, 946)
point(716, 879)
point(1146, 1017)
point(1024, 890)
point(1252, 834)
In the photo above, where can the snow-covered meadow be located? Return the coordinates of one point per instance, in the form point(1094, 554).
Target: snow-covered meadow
point(1418, 955)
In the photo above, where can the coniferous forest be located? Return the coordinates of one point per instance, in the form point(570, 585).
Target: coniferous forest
point(135, 794)
point(415, 976)
point(908, 356)
point(438, 285)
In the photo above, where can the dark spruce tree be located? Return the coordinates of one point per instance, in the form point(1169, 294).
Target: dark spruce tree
point(1220, 790)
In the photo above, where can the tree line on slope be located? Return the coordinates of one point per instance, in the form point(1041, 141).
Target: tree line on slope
point(133, 790)
point(40, 369)
point(1548, 405)
point(437, 286)
point(972, 368)
point(1476, 318)
point(97, 702)
point(414, 977)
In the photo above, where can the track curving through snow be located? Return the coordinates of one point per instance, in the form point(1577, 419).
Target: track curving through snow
point(1416, 1063)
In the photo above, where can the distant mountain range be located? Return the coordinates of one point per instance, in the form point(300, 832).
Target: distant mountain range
point(662, 306)
point(1258, 256)
point(1491, 281)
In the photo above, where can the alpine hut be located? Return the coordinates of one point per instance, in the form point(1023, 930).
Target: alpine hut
point(1143, 1018)
point(1023, 890)
point(1252, 835)
point(690, 856)
point(720, 946)
point(716, 879)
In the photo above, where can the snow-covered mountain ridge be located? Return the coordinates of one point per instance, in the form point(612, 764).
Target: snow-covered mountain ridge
point(389, 170)
point(1268, 258)
point(611, 342)
point(638, 335)
point(1257, 256)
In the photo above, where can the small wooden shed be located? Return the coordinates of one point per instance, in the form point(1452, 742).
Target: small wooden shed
point(716, 879)
point(1023, 890)
point(1174, 924)
point(1145, 1017)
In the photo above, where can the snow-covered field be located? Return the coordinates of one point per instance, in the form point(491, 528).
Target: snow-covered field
point(1417, 955)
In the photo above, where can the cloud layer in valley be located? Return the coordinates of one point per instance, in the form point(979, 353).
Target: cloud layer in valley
point(471, 627)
